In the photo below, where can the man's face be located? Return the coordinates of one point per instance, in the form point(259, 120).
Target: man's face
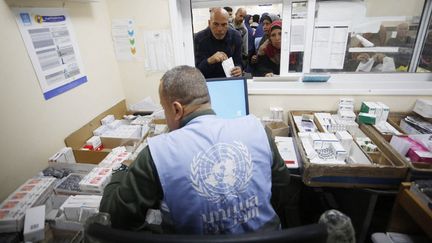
point(266, 26)
point(239, 17)
point(169, 110)
point(402, 31)
point(219, 25)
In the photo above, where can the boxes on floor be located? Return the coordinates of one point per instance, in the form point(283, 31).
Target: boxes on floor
point(77, 139)
point(382, 170)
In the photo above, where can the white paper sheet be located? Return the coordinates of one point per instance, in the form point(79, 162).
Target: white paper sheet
point(400, 145)
point(329, 45)
point(297, 35)
point(365, 66)
point(287, 151)
point(123, 35)
point(228, 65)
point(146, 104)
point(158, 50)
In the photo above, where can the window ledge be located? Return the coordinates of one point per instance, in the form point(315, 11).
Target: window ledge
point(341, 88)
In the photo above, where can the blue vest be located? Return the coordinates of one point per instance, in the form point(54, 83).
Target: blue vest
point(216, 175)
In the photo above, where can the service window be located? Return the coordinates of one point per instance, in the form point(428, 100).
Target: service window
point(425, 61)
point(365, 36)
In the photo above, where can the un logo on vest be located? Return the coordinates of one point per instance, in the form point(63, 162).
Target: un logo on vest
point(223, 170)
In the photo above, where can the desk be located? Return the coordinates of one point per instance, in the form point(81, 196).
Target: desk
point(409, 215)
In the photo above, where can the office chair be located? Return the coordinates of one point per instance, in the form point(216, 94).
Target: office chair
point(96, 232)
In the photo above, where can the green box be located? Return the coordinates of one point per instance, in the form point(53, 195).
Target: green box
point(366, 118)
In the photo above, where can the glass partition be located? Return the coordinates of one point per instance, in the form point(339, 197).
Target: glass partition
point(260, 53)
point(365, 36)
point(345, 36)
point(425, 62)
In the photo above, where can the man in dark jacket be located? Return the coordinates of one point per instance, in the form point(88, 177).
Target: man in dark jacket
point(217, 43)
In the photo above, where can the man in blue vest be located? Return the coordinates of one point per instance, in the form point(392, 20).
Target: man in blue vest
point(208, 175)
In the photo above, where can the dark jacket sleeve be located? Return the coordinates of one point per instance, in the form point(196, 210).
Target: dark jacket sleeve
point(237, 54)
point(201, 55)
point(265, 65)
point(131, 193)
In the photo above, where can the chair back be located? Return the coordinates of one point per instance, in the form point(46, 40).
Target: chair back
point(96, 232)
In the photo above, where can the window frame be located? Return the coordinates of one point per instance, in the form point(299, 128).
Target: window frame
point(339, 83)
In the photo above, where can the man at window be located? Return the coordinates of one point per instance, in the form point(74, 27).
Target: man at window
point(216, 44)
point(406, 44)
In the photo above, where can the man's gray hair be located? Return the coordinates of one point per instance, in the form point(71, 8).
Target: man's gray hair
point(186, 85)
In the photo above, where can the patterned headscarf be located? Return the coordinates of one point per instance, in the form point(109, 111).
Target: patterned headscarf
point(270, 50)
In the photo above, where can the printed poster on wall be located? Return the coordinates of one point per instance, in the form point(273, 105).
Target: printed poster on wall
point(158, 50)
point(123, 35)
point(53, 50)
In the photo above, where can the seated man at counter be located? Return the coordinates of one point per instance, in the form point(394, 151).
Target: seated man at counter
point(202, 172)
point(217, 43)
point(406, 44)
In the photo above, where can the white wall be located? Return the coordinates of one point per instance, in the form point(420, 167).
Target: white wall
point(386, 7)
point(32, 128)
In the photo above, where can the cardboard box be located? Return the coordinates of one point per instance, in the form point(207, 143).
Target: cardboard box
point(396, 120)
point(77, 139)
point(386, 171)
point(279, 129)
point(416, 171)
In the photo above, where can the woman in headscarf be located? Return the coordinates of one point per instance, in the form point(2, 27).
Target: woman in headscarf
point(266, 21)
point(268, 61)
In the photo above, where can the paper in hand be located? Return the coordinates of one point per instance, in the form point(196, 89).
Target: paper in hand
point(365, 67)
point(228, 65)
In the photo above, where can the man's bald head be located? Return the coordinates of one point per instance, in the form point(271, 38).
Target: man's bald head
point(218, 22)
point(218, 12)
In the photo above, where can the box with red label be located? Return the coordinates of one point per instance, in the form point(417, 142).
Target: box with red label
point(96, 180)
point(33, 192)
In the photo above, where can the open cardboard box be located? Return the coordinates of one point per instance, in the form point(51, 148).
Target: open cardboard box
point(77, 139)
point(416, 171)
point(386, 172)
point(277, 129)
point(394, 119)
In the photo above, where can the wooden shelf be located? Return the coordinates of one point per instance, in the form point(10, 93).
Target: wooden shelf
point(410, 215)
